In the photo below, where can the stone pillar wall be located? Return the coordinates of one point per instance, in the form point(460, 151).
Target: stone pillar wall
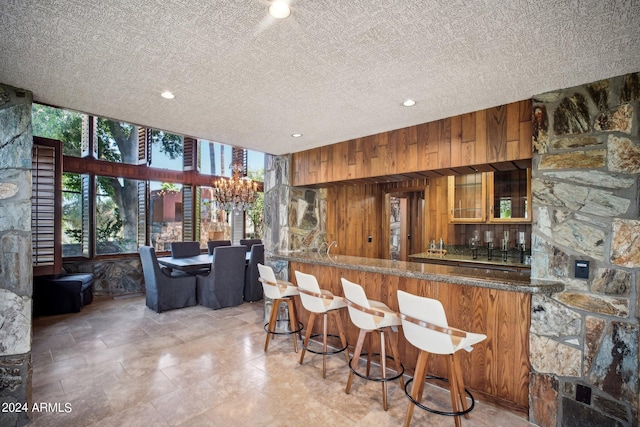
point(294, 217)
point(586, 200)
point(16, 272)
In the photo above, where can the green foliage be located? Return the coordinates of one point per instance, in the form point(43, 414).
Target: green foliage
point(56, 123)
point(256, 213)
point(169, 187)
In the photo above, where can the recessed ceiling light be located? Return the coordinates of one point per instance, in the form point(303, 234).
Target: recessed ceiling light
point(296, 135)
point(409, 103)
point(167, 95)
point(279, 9)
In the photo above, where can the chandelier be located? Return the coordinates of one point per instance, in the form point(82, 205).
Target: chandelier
point(236, 193)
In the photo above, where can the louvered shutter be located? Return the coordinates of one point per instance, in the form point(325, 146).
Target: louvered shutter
point(189, 150)
point(87, 209)
point(143, 212)
point(89, 136)
point(187, 217)
point(144, 146)
point(46, 206)
point(197, 214)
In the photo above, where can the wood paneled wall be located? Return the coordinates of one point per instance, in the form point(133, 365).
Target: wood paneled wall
point(497, 367)
point(357, 211)
point(494, 135)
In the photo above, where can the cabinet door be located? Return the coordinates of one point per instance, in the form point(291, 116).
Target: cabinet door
point(510, 196)
point(467, 198)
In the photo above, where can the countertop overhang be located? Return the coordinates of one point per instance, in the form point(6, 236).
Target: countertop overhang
point(468, 276)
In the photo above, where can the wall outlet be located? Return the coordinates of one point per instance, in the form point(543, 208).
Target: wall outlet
point(583, 394)
point(581, 269)
point(370, 239)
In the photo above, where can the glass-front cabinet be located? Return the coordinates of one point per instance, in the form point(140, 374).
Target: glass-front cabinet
point(509, 195)
point(467, 198)
point(490, 197)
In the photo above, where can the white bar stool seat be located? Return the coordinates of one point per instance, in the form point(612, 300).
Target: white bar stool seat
point(279, 291)
point(424, 324)
point(372, 316)
point(320, 301)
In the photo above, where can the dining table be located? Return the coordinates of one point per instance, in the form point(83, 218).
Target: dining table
point(191, 263)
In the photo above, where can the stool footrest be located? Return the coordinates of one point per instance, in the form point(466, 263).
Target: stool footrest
point(435, 411)
point(266, 329)
point(339, 350)
point(378, 379)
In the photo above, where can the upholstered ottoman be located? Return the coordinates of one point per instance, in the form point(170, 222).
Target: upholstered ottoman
point(66, 293)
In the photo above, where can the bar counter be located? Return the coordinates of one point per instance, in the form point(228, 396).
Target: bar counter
point(495, 303)
point(468, 276)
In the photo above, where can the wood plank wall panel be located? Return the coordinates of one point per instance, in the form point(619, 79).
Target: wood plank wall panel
point(494, 135)
point(357, 211)
point(498, 367)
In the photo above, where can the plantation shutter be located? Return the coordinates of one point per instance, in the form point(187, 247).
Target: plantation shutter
point(87, 209)
point(144, 146)
point(89, 136)
point(187, 217)
point(143, 213)
point(197, 214)
point(46, 206)
point(190, 149)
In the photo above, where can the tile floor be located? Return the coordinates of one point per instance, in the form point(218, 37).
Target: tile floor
point(117, 363)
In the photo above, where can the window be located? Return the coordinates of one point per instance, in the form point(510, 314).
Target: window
point(72, 214)
point(165, 214)
point(214, 158)
point(117, 141)
point(116, 215)
point(214, 223)
point(59, 124)
point(140, 197)
point(166, 150)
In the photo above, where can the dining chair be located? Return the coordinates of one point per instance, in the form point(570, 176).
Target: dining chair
point(424, 324)
point(224, 285)
point(163, 291)
point(212, 244)
point(252, 287)
point(250, 242)
point(185, 249)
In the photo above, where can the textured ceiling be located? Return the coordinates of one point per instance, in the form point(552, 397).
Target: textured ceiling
point(333, 70)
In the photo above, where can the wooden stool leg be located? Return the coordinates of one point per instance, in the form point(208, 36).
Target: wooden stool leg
point(418, 384)
point(312, 318)
point(460, 379)
point(369, 348)
point(383, 366)
point(295, 316)
point(293, 322)
point(453, 389)
point(272, 321)
point(356, 358)
point(343, 336)
point(395, 352)
point(324, 347)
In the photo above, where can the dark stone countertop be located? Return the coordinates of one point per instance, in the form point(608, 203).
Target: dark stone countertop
point(467, 276)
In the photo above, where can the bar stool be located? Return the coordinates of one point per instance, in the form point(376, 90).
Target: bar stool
point(372, 316)
point(279, 291)
point(424, 324)
point(323, 302)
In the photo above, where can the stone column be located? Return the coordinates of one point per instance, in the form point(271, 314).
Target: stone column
point(16, 272)
point(586, 201)
point(294, 218)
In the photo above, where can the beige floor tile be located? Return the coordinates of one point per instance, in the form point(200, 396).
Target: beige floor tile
point(117, 363)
